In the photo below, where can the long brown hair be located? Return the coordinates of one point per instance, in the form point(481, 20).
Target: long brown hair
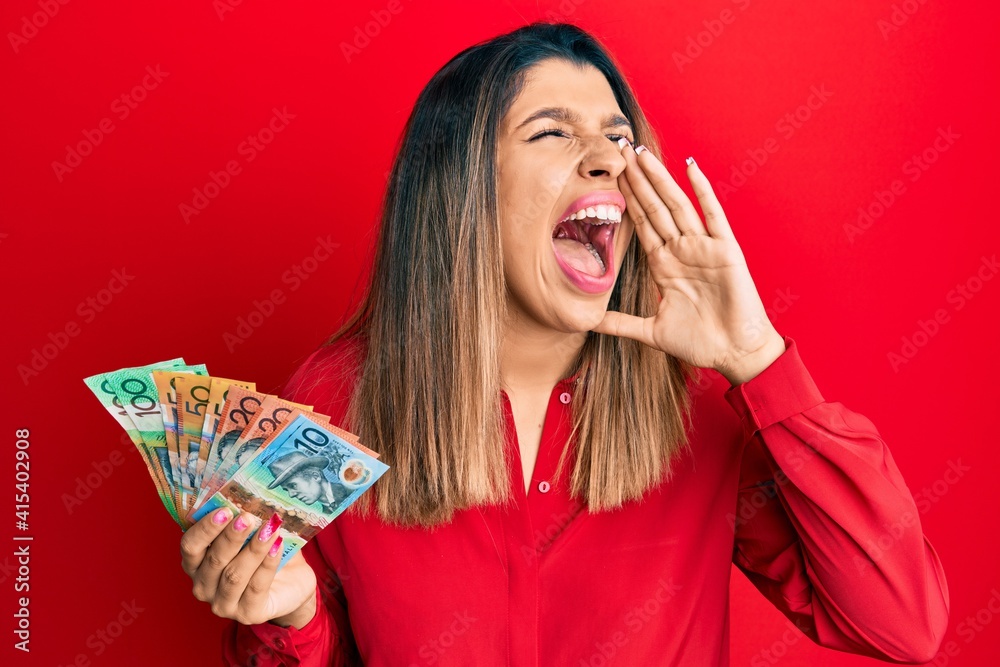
point(431, 320)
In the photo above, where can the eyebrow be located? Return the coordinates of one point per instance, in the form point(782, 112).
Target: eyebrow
point(564, 115)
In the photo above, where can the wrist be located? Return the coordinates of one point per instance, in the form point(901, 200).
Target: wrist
point(751, 365)
point(300, 617)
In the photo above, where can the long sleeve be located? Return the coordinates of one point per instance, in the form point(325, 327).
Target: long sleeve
point(825, 526)
point(325, 641)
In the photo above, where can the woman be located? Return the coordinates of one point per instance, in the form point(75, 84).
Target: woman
point(558, 494)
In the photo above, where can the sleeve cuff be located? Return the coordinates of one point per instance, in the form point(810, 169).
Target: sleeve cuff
point(781, 390)
point(283, 640)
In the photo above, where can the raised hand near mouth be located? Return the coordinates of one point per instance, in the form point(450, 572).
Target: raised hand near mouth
point(710, 314)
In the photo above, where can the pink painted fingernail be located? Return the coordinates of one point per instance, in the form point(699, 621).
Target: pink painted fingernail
point(241, 523)
point(622, 142)
point(690, 161)
point(221, 516)
point(267, 530)
point(639, 149)
point(275, 548)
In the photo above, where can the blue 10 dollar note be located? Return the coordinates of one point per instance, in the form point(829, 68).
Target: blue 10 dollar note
point(308, 475)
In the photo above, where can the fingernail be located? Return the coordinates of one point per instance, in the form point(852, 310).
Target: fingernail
point(622, 143)
point(640, 149)
point(690, 161)
point(268, 528)
point(241, 523)
point(221, 516)
point(275, 548)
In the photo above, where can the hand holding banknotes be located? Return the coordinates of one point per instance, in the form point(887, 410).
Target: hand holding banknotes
point(248, 476)
point(241, 583)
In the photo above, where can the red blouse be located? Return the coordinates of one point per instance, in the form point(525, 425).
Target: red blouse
point(801, 494)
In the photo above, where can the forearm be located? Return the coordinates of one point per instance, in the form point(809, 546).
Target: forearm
point(859, 565)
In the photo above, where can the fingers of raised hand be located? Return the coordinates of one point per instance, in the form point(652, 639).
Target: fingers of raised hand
point(648, 237)
point(715, 217)
point(659, 195)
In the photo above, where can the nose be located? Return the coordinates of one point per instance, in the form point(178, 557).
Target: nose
point(602, 158)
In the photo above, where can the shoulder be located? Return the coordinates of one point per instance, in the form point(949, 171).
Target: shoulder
point(326, 378)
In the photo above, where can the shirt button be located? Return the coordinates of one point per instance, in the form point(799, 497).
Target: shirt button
point(279, 644)
point(565, 398)
point(544, 487)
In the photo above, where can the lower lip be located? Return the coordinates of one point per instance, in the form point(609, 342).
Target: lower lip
point(588, 283)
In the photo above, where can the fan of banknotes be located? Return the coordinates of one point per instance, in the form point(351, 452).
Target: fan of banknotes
point(211, 442)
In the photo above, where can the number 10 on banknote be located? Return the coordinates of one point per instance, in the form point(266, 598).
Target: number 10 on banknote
point(308, 475)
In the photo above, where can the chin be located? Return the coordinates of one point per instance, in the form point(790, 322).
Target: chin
point(577, 315)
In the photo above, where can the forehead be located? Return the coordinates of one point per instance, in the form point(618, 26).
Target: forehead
point(555, 82)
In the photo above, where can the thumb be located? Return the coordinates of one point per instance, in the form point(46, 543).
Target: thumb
point(628, 326)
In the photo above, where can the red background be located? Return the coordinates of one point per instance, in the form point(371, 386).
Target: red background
point(853, 300)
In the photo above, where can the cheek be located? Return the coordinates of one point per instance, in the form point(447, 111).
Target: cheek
point(623, 239)
point(524, 239)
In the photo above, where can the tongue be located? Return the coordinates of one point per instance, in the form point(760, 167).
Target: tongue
point(576, 255)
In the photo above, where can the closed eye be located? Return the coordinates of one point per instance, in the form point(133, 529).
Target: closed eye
point(560, 133)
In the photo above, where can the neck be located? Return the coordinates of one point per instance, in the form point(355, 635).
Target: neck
point(534, 358)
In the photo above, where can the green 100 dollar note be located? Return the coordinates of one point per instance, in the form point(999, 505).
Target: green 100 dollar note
point(102, 387)
point(137, 392)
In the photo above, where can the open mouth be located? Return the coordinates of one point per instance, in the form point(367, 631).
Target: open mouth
point(584, 246)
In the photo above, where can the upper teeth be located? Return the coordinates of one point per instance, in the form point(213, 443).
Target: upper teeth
point(608, 212)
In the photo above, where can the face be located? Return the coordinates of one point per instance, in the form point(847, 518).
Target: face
point(559, 272)
point(304, 486)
